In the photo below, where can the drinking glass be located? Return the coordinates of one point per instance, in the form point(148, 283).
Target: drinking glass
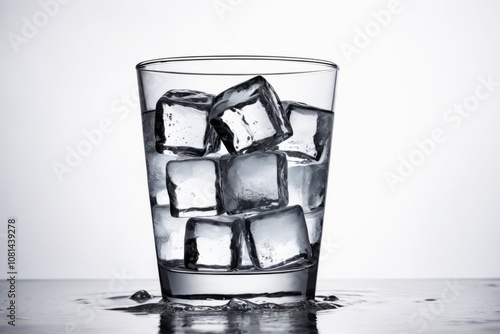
point(237, 152)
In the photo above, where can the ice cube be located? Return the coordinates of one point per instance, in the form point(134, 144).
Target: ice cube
point(213, 243)
point(315, 190)
point(307, 185)
point(156, 165)
point(277, 238)
point(169, 236)
point(312, 130)
point(249, 117)
point(194, 187)
point(246, 261)
point(314, 222)
point(162, 197)
point(255, 181)
point(298, 177)
point(181, 123)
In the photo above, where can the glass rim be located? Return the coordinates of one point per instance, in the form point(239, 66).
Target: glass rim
point(318, 64)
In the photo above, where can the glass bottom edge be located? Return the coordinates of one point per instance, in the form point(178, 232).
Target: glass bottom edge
point(277, 287)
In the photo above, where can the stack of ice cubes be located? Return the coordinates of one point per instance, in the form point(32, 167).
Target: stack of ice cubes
point(254, 204)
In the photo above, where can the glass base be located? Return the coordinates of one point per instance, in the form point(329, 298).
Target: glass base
point(217, 288)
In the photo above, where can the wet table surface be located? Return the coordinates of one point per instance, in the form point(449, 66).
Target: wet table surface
point(365, 306)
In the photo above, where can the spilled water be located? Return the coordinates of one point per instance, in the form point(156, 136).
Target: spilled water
point(233, 305)
point(237, 316)
point(341, 306)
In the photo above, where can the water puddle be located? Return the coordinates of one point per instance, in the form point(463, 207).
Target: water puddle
point(233, 305)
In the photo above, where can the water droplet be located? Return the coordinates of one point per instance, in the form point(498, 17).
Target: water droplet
point(331, 298)
point(141, 296)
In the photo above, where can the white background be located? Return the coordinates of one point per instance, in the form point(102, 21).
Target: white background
point(396, 87)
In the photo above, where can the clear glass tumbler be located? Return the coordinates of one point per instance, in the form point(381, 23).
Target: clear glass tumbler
point(237, 152)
